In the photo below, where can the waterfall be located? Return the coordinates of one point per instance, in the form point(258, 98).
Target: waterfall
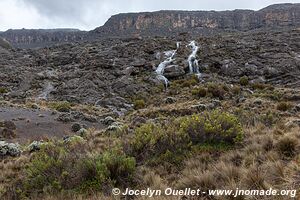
point(161, 67)
point(48, 88)
point(192, 59)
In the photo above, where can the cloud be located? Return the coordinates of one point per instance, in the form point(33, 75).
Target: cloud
point(88, 14)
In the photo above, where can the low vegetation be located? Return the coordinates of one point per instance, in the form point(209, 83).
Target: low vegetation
point(3, 90)
point(61, 106)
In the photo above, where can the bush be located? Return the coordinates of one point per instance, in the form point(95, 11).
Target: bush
point(59, 167)
point(216, 90)
point(213, 127)
point(177, 137)
point(178, 84)
point(284, 106)
point(61, 106)
point(269, 119)
point(244, 81)
point(139, 104)
point(111, 167)
point(199, 92)
point(236, 90)
point(154, 141)
point(3, 90)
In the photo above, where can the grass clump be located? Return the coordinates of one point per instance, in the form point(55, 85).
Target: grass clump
point(3, 90)
point(217, 90)
point(236, 90)
point(284, 106)
point(244, 81)
point(199, 92)
point(261, 86)
point(139, 104)
point(177, 84)
point(287, 146)
point(61, 106)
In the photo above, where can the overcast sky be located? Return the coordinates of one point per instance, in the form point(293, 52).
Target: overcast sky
point(88, 14)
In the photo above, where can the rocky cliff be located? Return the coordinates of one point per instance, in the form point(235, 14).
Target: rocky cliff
point(164, 23)
point(30, 38)
point(205, 22)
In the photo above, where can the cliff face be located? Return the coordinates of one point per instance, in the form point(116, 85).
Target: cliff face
point(166, 22)
point(26, 38)
point(163, 23)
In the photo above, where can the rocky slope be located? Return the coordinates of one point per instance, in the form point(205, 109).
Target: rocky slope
point(30, 38)
point(204, 22)
point(97, 72)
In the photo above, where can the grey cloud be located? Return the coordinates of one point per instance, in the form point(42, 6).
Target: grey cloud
point(88, 14)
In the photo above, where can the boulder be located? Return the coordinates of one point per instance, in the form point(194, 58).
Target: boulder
point(173, 71)
point(108, 120)
point(76, 127)
point(170, 100)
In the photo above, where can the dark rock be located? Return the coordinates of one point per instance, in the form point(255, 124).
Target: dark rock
point(8, 124)
point(173, 71)
point(170, 100)
point(76, 127)
point(65, 117)
point(199, 107)
point(7, 133)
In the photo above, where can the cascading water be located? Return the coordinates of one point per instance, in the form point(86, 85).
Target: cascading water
point(192, 59)
point(161, 67)
point(48, 88)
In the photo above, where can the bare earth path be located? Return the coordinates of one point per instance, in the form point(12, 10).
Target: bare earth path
point(35, 124)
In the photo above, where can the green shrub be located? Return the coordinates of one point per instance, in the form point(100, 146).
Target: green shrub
point(178, 136)
point(244, 81)
point(199, 92)
point(157, 141)
point(3, 90)
point(61, 106)
point(212, 127)
point(59, 167)
point(284, 106)
point(111, 167)
point(139, 104)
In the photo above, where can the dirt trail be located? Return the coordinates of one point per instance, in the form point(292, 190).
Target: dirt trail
point(33, 124)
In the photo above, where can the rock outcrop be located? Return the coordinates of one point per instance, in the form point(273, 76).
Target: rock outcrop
point(203, 22)
point(163, 23)
point(30, 38)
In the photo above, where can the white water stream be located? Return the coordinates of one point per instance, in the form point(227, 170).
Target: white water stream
point(48, 88)
point(192, 59)
point(161, 67)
